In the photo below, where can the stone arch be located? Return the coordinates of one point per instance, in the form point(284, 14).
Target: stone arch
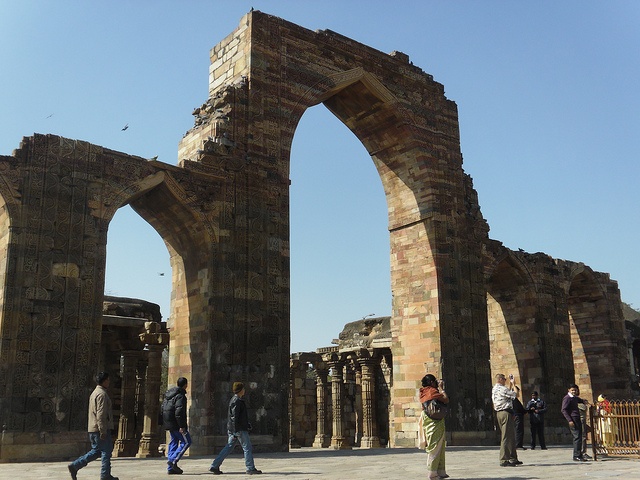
point(596, 334)
point(5, 238)
point(512, 311)
point(261, 83)
point(62, 195)
point(188, 235)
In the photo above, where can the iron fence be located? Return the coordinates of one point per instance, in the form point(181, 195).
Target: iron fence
point(615, 428)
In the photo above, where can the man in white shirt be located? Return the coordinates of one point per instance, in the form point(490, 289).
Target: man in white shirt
point(502, 397)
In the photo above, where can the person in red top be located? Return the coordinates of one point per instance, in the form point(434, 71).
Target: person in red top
point(433, 430)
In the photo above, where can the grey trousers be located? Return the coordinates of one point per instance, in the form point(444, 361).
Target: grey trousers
point(507, 436)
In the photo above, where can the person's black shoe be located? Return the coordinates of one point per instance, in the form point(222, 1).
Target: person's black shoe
point(254, 471)
point(579, 459)
point(73, 471)
point(215, 470)
point(508, 464)
point(515, 462)
point(587, 457)
point(110, 477)
point(543, 448)
point(177, 469)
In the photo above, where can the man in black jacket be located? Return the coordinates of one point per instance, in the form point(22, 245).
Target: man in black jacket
point(238, 427)
point(537, 408)
point(174, 418)
point(518, 421)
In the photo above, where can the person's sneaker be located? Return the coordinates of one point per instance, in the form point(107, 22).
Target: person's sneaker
point(255, 471)
point(508, 464)
point(516, 462)
point(177, 468)
point(543, 448)
point(110, 477)
point(579, 459)
point(215, 470)
point(587, 457)
point(73, 471)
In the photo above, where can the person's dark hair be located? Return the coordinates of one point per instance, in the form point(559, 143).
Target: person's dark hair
point(428, 380)
point(573, 385)
point(535, 393)
point(182, 382)
point(101, 377)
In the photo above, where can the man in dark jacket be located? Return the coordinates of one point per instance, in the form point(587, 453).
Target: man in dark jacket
point(174, 418)
point(238, 427)
point(537, 408)
point(571, 412)
point(518, 421)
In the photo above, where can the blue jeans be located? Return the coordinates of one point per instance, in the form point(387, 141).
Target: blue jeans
point(243, 438)
point(99, 447)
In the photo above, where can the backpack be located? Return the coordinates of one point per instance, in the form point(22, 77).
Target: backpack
point(167, 410)
point(435, 410)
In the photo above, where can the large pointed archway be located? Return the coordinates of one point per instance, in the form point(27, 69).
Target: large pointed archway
point(263, 78)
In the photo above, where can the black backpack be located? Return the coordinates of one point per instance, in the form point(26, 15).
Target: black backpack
point(167, 410)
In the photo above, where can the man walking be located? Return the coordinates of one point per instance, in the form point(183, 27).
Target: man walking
point(502, 397)
point(536, 408)
point(238, 427)
point(174, 418)
point(571, 412)
point(99, 426)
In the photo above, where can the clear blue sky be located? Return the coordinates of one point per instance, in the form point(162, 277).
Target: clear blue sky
point(548, 100)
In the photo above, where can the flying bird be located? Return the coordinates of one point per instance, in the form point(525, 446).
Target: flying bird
point(49, 116)
point(125, 127)
point(161, 274)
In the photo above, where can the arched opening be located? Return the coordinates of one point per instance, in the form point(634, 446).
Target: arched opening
point(137, 275)
point(179, 230)
point(340, 270)
point(588, 314)
point(511, 308)
point(5, 237)
point(138, 263)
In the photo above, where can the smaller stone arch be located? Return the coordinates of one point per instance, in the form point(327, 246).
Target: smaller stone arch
point(512, 311)
point(597, 333)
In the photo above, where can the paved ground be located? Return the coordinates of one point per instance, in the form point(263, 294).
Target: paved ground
point(479, 463)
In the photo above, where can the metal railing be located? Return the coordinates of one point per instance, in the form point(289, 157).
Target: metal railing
point(615, 429)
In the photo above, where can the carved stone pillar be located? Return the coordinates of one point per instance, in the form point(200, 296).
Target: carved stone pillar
point(126, 444)
point(155, 343)
point(338, 439)
point(322, 440)
point(370, 437)
point(141, 373)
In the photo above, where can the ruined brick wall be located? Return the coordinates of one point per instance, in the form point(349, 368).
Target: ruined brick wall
point(303, 413)
point(59, 196)
point(553, 323)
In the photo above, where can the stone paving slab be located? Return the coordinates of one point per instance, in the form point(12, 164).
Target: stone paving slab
point(478, 463)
